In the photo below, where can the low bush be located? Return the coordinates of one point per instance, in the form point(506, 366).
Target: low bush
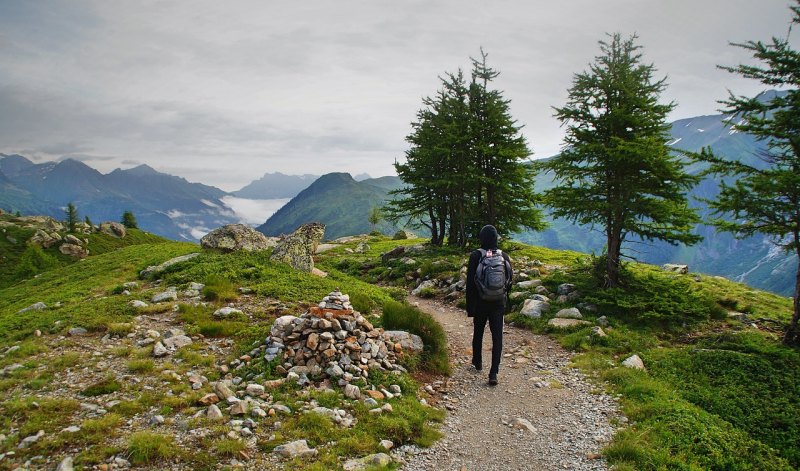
point(106, 385)
point(400, 316)
point(219, 289)
point(146, 447)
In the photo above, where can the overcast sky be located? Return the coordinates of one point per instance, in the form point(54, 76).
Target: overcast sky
point(223, 91)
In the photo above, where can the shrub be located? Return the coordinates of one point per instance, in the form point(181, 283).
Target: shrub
point(33, 261)
point(219, 289)
point(362, 302)
point(107, 385)
point(146, 447)
point(401, 316)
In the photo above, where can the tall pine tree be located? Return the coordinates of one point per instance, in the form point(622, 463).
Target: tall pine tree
point(616, 170)
point(466, 164)
point(766, 199)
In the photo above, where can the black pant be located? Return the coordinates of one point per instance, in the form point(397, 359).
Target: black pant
point(496, 327)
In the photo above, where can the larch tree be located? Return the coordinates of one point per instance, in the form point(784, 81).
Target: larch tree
point(766, 198)
point(616, 170)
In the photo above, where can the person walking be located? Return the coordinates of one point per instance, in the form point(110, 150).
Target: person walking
point(489, 275)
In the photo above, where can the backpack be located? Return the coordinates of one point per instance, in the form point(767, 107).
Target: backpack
point(493, 275)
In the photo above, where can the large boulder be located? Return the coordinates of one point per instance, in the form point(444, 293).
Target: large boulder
point(297, 249)
point(114, 229)
point(158, 269)
point(534, 307)
point(236, 237)
point(43, 239)
point(675, 268)
point(73, 250)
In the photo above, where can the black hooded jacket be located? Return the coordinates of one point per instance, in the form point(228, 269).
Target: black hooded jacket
point(475, 304)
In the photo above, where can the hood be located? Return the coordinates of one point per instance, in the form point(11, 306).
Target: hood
point(488, 237)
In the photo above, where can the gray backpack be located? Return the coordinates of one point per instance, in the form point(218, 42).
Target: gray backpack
point(493, 276)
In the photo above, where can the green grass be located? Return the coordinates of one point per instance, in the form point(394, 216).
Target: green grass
point(73, 288)
point(147, 447)
point(105, 386)
point(144, 365)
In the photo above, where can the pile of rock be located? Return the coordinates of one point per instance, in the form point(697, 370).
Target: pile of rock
point(334, 341)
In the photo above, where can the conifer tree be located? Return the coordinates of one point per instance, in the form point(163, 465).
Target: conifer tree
point(466, 164)
point(72, 216)
point(129, 220)
point(616, 171)
point(766, 199)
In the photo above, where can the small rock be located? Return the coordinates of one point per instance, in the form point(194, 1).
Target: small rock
point(523, 424)
point(28, 441)
point(224, 312)
point(240, 408)
point(65, 464)
point(634, 362)
point(255, 389)
point(77, 331)
point(569, 313)
point(137, 304)
point(159, 350)
point(157, 420)
point(598, 332)
point(40, 306)
point(565, 323)
point(214, 413)
point(170, 294)
point(387, 444)
point(298, 448)
point(602, 321)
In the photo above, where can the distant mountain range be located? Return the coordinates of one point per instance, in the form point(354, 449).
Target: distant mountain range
point(172, 207)
point(163, 204)
point(275, 186)
point(336, 200)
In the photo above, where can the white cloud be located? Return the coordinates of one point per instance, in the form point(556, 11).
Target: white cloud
point(223, 93)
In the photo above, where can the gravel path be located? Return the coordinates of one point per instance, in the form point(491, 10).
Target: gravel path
point(568, 418)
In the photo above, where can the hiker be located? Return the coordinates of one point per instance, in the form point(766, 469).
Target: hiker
point(486, 297)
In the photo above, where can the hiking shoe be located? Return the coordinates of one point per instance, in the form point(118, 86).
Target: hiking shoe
point(477, 365)
point(493, 380)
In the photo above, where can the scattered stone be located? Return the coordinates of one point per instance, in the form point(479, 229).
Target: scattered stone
point(233, 237)
point(176, 342)
point(387, 444)
point(77, 331)
point(408, 342)
point(159, 350)
point(40, 306)
point(255, 389)
point(425, 285)
point(534, 307)
point(209, 399)
point(213, 412)
point(240, 408)
point(377, 395)
point(523, 424)
point(171, 294)
point(404, 235)
point(597, 331)
point(157, 420)
point(137, 304)
point(569, 313)
point(28, 441)
point(351, 391)
point(295, 449)
point(157, 269)
point(675, 268)
point(634, 362)
point(602, 321)
point(222, 390)
point(378, 460)
point(566, 323)
point(297, 249)
point(528, 284)
point(65, 464)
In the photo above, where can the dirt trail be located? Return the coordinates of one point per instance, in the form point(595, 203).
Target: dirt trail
point(569, 417)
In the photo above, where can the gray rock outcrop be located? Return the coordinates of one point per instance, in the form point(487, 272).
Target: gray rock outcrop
point(158, 269)
point(235, 237)
point(297, 249)
point(114, 229)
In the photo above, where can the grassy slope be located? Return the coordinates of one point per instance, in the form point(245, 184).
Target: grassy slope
point(86, 289)
point(719, 393)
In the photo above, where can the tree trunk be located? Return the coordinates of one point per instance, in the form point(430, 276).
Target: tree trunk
point(792, 336)
point(614, 241)
point(434, 227)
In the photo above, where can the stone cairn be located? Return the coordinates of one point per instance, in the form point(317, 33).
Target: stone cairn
point(332, 341)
